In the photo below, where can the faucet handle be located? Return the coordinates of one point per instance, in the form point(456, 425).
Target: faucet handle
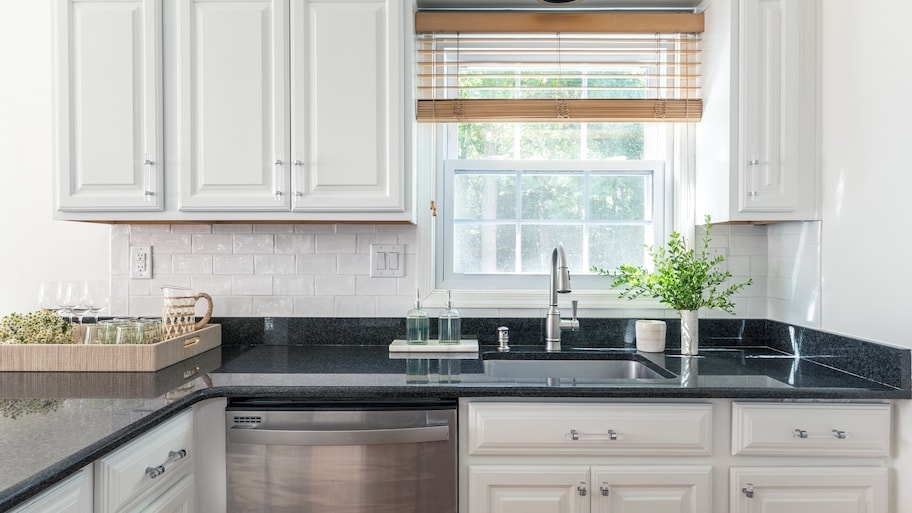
point(575, 305)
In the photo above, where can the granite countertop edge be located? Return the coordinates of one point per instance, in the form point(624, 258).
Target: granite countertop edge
point(263, 384)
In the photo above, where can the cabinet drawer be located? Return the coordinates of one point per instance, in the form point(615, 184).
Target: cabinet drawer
point(126, 473)
point(560, 428)
point(811, 429)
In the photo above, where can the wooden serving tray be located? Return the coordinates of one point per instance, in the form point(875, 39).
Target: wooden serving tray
point(109, 357)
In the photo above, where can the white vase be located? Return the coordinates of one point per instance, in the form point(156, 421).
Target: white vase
point(650, 336)
point(690, 332)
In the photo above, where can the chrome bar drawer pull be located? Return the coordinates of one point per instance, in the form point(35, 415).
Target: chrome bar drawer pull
point(612, 434)
point(173, 456)
point(581, 489)
point(574, 434)
point(839, 434)
point(800, 433)
point(605, 489)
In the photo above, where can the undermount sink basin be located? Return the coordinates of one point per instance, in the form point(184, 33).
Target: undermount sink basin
point(577, 368)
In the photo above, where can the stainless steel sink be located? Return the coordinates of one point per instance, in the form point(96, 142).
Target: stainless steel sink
point(574, 368)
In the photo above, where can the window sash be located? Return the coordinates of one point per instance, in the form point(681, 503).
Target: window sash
point(447, 278)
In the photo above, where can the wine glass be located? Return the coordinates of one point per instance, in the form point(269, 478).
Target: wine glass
point(47, 296)
point(98, 295)
point(71, 298)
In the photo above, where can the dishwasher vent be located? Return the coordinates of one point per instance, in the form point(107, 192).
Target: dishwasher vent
point(248, 420)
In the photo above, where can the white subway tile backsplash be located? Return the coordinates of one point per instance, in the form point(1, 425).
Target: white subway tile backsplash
point(335, 243)
point(297, 243)
point(214, 285)
point(273, 306)
point(254, 244)
point(334, 285)
point(232, 306)
point(353, 264)
point(171, 242)
point(356, 306)
point(322, 270)
point(273, 228)
point(294, 285)
point(274, 264)
point(367, 286)
point(189, 265)
point(315, 264)
point(252, 286)
point(314, 306)
point(216, 243)
point(232, 228)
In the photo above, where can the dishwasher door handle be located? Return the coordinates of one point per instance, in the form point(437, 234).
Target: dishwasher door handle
point(340, 437)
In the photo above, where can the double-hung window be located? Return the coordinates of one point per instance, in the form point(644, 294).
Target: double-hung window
point(546, 139)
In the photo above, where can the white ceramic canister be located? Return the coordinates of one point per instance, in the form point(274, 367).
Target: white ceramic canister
point(650, 336)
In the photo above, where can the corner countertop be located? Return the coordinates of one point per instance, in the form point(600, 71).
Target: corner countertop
point(53, 423)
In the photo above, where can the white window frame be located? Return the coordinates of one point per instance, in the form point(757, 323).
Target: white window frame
point(679, 216)
point(443, 262)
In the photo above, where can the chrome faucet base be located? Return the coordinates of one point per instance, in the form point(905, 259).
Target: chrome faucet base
point(552, 345)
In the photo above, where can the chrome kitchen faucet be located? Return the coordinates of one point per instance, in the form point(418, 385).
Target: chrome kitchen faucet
point(560, 284)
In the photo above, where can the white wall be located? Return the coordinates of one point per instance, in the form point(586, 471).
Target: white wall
point(867, 175)
point(32, 246)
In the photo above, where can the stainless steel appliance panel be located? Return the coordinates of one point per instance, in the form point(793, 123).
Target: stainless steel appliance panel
point(350, 461)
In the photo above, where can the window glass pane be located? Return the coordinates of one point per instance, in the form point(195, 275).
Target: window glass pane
point(484, 196)
point(620, 198)
point(486, 140)
point(484, 248)
point(613, 245)
point(552, 197)
point(538, 241)
point(549, 141)
point(613, 140)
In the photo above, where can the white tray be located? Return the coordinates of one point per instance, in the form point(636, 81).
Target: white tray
point(433, 346)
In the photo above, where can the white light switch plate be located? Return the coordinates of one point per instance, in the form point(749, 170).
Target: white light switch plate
point(387, 260)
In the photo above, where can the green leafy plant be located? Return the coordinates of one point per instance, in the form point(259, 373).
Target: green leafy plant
point(684, 279)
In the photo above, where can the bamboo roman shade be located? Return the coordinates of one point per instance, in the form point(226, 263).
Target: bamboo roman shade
point(553, 67)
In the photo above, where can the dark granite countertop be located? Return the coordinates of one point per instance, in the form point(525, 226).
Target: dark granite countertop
point(52, 424)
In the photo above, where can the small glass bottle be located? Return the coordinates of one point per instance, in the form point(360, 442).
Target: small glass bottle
point(450, 325)
point(417, 325)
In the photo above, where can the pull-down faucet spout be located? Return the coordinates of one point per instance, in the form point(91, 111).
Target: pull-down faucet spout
point(560, 284)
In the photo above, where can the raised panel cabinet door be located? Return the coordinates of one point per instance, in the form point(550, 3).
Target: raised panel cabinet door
point(655, 489)
point(777, 85)
point(108, 105)
point(347, 104)
point(809, 490)
point(72, 495)
point(180, 498)
point(232, 99)
point(528, 489)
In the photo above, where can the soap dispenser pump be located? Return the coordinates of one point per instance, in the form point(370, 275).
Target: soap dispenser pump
point(417, 324)
point(450, 325)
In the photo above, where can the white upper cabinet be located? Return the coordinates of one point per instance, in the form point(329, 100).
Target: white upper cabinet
point(274, 110)
point(233, 104)
point(756, 150)
point(108, 106)
point(347, 105)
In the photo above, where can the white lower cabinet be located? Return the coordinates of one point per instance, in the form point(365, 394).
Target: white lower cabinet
point(597, 489)
point(809, 490)
point(72, 495)
point(142, 475)
point(718, 456)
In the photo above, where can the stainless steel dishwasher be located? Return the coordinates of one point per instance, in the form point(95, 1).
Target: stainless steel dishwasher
point(341, 456)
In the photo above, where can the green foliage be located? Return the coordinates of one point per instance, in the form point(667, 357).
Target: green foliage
point(683, 279)
point(40, 327)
